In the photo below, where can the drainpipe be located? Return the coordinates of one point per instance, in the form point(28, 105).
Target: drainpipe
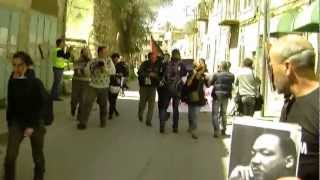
point(265, 53)
point(64, 20)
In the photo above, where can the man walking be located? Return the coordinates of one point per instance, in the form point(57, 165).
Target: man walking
point(222, 87)
point(247, 87)
point(58, 58)
point(174, 70)
point(149, 77)
point(80, 80)
point(99, 71)
point(115, 85)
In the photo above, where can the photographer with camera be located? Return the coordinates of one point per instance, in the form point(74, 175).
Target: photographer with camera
point(195, 96)
point(149, 78)
point(59, 60)
point(99, 72)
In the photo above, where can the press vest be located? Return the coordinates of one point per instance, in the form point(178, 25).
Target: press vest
point(57, 62)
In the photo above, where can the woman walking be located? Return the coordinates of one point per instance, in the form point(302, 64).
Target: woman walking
point(195, 94)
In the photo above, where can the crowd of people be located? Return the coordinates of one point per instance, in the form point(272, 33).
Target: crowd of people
point(292, 62)
point(175, 81)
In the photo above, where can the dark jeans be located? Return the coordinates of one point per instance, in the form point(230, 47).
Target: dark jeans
point(219, 110)
point(91, 94)
point(193, 113)
point(112, 103)
point(164, 106)
point(56, 86)
point(248, 104)
point(161, 97)
point(147, 95)
point(15, 137)
point(77, 93)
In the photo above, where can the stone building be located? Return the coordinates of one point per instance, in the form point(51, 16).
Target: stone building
point(32, 26)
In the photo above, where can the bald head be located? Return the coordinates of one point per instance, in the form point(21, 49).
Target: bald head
point(295, 49)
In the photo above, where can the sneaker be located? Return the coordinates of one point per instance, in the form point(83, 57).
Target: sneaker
point(57, 99)
point(194, 136)
point(140, 119)
point(81, 126)
point(149, 124)
point(117, 113)
point(73, 112)
point(215, 135)
point(223, 132)
point(103, 124)
point(110, 117)
point(161, 130)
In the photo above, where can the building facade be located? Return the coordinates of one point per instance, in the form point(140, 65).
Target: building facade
point(235, 29)
point(32, 26)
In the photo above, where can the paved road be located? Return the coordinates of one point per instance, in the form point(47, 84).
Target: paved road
point(126, 149)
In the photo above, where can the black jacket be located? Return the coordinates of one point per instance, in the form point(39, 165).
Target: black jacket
point(197, 88)
point(25, 101)
point(122, 68)
point(144, 72)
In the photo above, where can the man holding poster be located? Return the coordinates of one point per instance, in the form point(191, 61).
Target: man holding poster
point(292, 66)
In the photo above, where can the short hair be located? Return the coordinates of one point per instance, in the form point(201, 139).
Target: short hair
point(288, 147)
point(247, 62)
point(101, 48)
point(115, 55)
point(82, 50)
point(225, 65)
point(297, 50)
point(286, 144)
point(59, 41)
point(166, 54)
point(150, 55)
point(175, 52)
point(25, 57)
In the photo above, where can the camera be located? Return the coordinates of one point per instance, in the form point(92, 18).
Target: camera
point(100, 64)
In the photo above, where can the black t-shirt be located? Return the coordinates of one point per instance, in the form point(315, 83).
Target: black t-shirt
point(305, 111)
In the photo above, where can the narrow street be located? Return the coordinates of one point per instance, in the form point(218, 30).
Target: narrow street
point(126, 149)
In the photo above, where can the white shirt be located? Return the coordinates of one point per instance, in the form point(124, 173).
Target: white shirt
point(247, 82)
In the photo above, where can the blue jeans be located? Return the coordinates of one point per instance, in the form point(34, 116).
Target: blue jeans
point(57, 77)
point(193, 112)
point(219, 109)
point(163, 110)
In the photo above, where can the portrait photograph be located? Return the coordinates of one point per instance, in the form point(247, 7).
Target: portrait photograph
point(263, 150)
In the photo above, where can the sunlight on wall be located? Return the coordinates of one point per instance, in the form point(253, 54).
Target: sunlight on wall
point(80, 20)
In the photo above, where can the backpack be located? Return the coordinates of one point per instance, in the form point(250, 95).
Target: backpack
point(172, 75)
point(46, 112)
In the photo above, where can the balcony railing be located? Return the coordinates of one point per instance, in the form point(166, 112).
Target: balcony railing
point(203, 11)
point(229, 13)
